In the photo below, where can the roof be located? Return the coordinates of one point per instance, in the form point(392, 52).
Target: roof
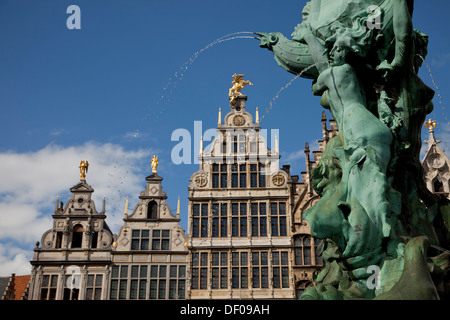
point(20, 285)
point(4, 281)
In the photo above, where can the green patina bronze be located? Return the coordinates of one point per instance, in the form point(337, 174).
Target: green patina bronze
point(375, 212)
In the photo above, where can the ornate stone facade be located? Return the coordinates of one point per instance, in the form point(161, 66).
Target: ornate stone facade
point(72, 260)
point(80, 258)
point(149, 255)
point(436, 166)
point(241, 217)
point(246, 236)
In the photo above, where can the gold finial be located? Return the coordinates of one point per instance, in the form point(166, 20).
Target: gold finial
point(257, 116)
point(238, 85)
point(178, 207)
point(430, 124)
point(154, 163)
point(84, 165)
point(219, 121)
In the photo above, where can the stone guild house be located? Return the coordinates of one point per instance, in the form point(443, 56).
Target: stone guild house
point(73, 260)
point(149, 256)
point(246, 237)
point(240, 215)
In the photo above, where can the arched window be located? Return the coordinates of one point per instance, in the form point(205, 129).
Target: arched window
point(304, 244)
point(77, 236)
point(302, 249)
point(301, 287)
point(152, 211)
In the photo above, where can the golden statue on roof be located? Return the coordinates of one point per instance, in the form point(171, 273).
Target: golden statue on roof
point(238, 84)
point(154, 163)
point(84, 165)
point(430, 124)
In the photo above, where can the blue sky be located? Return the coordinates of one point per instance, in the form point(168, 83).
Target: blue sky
point(114, 91)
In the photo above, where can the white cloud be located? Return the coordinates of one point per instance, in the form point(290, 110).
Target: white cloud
point(58, 132)
point(31, 181)
point(300, 154)
point(14, 260)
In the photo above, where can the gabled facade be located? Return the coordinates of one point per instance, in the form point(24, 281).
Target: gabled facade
point(436, 165)
point(240, 243)
point(149, 256)
point(72, 259)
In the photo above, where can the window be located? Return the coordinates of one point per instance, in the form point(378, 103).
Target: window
point(258, 219)
point(199, 270)
point(239, 219)
point(94, 240)
point(219, 270)
point(238, 176)
point(302, 250)
point(152, 210)
point(242, 175)
point(200, 220)
point(177, 289)
point(58, 242)
point(223, 175)
point(219, 175)
point(262, 175)
point(234, 176)
point(242, 144)
point(196, 220)
point(257, 175)
point(239, 270)
point(215, 176)
point(48, 287)
point(204, 220)
point(138, 288)
point(94, 287)
point(77, 236)
point(140, 239)
point(239, 144)
point(158, 281)
point(71, 286)
point(160, 239)
point(278, 218)
point(280, 269)
point(119, 282)
point(215, 220)
point(253, 176)
point(219, 220)
point(260, 269)
point(167, 281)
